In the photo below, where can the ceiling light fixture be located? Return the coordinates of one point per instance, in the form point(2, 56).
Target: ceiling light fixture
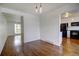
point(66, 14)
point(38, 8)
point(72, 19)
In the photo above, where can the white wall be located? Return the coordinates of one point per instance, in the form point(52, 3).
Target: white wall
point(3, 31)
point(10, 27)
point(50, 28)
point(31, 28)
point(50, 24)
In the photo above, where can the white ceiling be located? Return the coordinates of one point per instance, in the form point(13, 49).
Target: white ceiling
point(30, 7)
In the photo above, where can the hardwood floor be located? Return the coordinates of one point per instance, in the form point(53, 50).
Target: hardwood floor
point(70, 47)
point(13, 47)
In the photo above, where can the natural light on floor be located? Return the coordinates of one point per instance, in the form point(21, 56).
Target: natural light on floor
point(17, 40)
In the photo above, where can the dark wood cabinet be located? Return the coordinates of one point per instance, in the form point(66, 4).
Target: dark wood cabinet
point(63, 29)
point(74, 34)
point(75, 24)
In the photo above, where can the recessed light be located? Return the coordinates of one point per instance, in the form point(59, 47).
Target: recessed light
point(72, 19)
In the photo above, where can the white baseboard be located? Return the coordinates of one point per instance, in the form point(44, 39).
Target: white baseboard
point(51, 42)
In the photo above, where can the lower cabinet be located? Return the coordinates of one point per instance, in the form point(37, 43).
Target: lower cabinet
point(74, 34)
point(64, 34)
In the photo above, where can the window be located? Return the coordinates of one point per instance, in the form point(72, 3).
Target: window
point(17, 28)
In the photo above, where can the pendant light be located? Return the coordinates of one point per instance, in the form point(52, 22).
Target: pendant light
point(38, 8)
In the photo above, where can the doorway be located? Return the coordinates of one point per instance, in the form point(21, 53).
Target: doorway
point(17, 28)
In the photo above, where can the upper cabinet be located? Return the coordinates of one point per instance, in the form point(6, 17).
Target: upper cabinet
point(75, 24)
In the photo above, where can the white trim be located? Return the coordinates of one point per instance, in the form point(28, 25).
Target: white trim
point(60, 33)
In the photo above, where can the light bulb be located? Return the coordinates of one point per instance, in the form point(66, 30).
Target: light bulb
point(72, 19)
point(66, 14)
point(40, 9)
point(36, 9)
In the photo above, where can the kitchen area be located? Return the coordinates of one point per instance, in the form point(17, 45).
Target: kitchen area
point(70, 25)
